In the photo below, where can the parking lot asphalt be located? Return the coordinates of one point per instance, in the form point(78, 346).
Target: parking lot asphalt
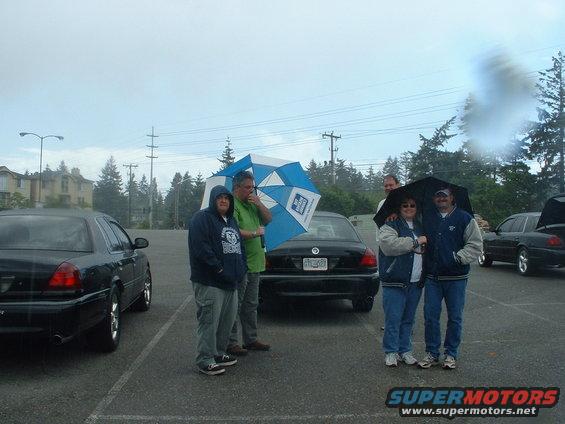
point(326, 363)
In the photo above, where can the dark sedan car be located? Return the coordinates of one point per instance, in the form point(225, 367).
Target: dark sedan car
point(63, 272)
point(530, 239)
point(328, 262)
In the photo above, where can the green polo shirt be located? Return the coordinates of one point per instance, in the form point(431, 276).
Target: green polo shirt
point(248, 218)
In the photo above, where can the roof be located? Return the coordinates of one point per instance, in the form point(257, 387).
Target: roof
point(80, 213)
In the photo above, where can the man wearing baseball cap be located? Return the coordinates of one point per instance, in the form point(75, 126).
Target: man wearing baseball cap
point(454, 241)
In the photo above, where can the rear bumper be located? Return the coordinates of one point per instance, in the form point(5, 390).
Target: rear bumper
point(320, 286)
point(48, 318)
point(541, 256)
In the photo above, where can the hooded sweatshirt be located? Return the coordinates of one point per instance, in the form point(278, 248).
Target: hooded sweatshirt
point(217, 256)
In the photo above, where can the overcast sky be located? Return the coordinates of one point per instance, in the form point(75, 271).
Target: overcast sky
point(271, 75)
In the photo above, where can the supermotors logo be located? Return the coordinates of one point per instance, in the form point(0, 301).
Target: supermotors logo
point(451, 402)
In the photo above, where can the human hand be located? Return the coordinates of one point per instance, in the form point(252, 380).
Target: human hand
point(253, 198)
point(260, 231)
point(391, 217)
point(422, 240)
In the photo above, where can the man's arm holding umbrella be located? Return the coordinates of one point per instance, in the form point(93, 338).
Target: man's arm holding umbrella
point(265, 217)
point(473, 244)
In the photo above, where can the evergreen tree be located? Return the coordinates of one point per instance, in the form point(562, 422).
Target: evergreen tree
point(107, 194)
point(63, 168)
point(547, 134)
point(392, 167)
point(227, 156)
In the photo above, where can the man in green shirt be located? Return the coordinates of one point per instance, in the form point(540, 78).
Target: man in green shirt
point(251, 215)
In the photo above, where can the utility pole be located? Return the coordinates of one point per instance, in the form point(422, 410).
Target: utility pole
point(131, 165)
point(151, 156)
point(332, 150)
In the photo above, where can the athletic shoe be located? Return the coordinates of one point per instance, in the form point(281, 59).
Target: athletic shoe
point(391, 359)
point(225, 360)
point(212, 369)
point(449, 363)
point(428, 361)
point(408, 358)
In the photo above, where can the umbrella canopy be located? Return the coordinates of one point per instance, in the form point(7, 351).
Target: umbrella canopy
point(282, 186)
point(423, 192)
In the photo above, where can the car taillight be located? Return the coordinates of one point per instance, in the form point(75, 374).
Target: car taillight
point(369, 259)
point(554, 241)
point(66, 277)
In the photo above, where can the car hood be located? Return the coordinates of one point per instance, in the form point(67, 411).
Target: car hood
point(553, 212)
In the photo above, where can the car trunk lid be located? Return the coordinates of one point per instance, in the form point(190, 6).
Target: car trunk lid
point(553, 213)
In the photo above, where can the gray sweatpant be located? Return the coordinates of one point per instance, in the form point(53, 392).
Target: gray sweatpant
point(248, 301)
point(216, 310)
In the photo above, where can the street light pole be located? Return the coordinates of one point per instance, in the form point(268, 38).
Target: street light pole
point(41, 138)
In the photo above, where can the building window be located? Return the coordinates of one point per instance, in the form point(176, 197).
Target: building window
point(79, 186)
point(3, 182)
point(4, 199)
point(20, 183)
point(65, 185)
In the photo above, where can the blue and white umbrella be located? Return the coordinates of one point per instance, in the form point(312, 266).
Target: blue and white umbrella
point(282, 186)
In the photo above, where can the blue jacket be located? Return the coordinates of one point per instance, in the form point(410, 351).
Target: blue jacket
point(217, 256)
point(396, 270)
point(446, 237)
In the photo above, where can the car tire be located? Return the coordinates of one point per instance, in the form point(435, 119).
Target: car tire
point(143, 302)
point(363, 304)
point(105, 337)
point(523, 263)
point(484, 260)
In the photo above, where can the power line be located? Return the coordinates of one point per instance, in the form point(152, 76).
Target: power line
point(151, 156)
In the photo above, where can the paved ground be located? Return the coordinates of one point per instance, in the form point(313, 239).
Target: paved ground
point(325, 366)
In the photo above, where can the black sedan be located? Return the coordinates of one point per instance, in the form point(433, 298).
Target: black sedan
point(529, 240)
point(64, 272)
point(328, 262)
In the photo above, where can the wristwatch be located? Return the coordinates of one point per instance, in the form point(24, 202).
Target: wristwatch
point(254, 233)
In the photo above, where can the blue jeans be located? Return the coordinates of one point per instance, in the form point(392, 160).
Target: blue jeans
point(399, 305)
point(453, 291)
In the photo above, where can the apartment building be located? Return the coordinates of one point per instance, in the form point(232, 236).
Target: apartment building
point(58, 188)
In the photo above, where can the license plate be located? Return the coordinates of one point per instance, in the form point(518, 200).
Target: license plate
point(315, 264)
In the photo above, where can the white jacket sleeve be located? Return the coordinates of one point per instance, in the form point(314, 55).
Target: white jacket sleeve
point(473, 243)
point(391, 244)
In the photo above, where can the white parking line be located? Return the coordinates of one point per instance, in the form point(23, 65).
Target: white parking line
point(292, 418)
point(115, 390)
point(508, 305)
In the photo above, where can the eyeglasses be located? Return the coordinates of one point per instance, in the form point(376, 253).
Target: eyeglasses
point(408, 205)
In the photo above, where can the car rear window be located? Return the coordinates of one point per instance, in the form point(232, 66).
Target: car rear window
point(329, 228)
point(44, 233)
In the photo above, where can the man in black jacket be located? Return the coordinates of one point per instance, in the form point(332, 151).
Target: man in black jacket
point(217, 264)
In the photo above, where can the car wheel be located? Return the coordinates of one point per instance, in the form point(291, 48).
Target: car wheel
point(105, 337)
point(363, 304)
point(484, 260)
point(143, 302)
point(523, 263)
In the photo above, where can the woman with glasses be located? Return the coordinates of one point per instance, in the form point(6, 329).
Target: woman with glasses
point(401, 247)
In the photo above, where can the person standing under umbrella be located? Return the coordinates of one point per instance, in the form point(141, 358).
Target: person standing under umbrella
point(454, 241)
point(217, 265)
point(400, 261)
point(251, 215)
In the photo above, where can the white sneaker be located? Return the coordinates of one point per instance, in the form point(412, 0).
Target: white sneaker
point(391, 359)
point(449, 363)
point(408, 358)
point(428, 361)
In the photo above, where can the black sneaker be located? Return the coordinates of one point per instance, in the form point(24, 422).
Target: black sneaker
point(225, 360)
point(212, 369)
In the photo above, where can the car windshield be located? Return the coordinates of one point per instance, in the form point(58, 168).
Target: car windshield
point(23, 232)
point(329, 228)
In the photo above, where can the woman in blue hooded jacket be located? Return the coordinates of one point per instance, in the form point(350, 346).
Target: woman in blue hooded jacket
point(400, 269)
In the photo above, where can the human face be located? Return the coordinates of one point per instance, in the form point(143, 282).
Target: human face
point(408, 209)
point(243, 191)
point(223, 204)
point(389, 185)
point(443, 203)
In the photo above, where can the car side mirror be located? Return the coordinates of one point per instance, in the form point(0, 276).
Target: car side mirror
point(140, 243)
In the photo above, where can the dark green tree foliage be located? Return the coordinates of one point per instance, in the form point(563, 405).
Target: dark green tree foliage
point(547, 134)
point(107, 194)
point(227, 156)
point(392, 167)
point(430, 160)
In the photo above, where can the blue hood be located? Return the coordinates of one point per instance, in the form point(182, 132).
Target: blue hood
point(214, 194)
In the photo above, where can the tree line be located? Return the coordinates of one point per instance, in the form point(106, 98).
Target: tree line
point(500, 181)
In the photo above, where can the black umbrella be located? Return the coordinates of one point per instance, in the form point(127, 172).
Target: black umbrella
point(423, 192)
